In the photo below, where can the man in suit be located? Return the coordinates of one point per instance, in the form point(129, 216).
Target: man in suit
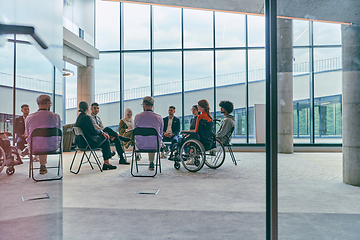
point(171, 128)
point(20, 132)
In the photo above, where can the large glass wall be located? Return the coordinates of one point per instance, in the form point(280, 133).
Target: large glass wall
point(317, 72)
point(203, 54)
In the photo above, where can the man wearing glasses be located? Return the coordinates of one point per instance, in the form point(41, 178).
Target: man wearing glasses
point(148, 119)
point(43, 118)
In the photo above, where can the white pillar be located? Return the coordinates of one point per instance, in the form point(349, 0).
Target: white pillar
point(86, 83)
point(351, 103)
point(285, 85)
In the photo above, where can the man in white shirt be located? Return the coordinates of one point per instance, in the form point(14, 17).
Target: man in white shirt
point(114, 136)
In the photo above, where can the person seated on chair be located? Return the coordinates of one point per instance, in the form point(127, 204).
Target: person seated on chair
point(226, 107)
point(126, 126)
point(42, 118)
point(95, 137)
point(171, 129)
point(195, 112)
point(148, 119)
point(114, 136)
point(19, 128)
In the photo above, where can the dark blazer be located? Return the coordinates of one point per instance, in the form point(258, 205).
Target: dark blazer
point(19, 126)
point(93, 136)
point(175, 127)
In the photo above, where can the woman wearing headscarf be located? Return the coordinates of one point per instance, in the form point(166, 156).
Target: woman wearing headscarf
point(126, 126)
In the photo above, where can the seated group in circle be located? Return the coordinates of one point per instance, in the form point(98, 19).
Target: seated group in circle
point(168, 128)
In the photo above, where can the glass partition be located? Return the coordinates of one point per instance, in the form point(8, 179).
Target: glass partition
point(198, 28)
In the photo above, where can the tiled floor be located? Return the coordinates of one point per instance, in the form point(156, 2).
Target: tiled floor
point(226, 203)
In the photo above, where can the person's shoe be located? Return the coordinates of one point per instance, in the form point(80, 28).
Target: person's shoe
point(108, 167)
point(162, 155)
point(123, 161)
point(43, 169)
point(124, 139)
point(151, 166)
point(138, 157)
point(113, 153)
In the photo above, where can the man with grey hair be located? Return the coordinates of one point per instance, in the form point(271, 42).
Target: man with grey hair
point(43, 118)
point(148, 119)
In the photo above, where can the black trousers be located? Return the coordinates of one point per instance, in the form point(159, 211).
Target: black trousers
point(116, 140)
point(105, 148)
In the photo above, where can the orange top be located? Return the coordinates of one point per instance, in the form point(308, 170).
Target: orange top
point(203, 115)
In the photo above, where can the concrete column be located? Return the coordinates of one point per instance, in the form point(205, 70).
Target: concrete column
point(351, 104)
point(285, 85)
point(86, 82)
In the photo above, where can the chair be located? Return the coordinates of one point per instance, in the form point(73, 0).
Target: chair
point(141, 131)
point(227, 144)
point(78, 132)
point(45, 133)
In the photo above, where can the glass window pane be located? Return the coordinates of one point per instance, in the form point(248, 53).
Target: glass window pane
point(7, 82)
point(229, 29)
point(328, 90)
point(107, 88)
point(198, 28)
point(136, 80)
point(167, 82)
point(136, 26)
point(107, 76)
point(107, 25)
point(256, 31)
point(256, 93)
point(71, 93)
point(327, 33)
point(230, 86)
point(301, 96)
point(167, 27)
point(199, 83)
point(300, 33)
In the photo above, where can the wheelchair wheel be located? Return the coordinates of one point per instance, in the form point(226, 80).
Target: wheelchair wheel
point(2, 159)
point(216, 156)
point(192, 155)
point(10, 170)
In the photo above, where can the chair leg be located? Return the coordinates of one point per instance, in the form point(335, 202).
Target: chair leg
point(232, 155)
point(159, 161)
point(81, 162)
point(97, 160)
point(132, 164)
point(30, 165)
point(88, 159)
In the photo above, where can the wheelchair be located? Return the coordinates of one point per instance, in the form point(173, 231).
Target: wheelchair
point(9, 157)
point(196, 149)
